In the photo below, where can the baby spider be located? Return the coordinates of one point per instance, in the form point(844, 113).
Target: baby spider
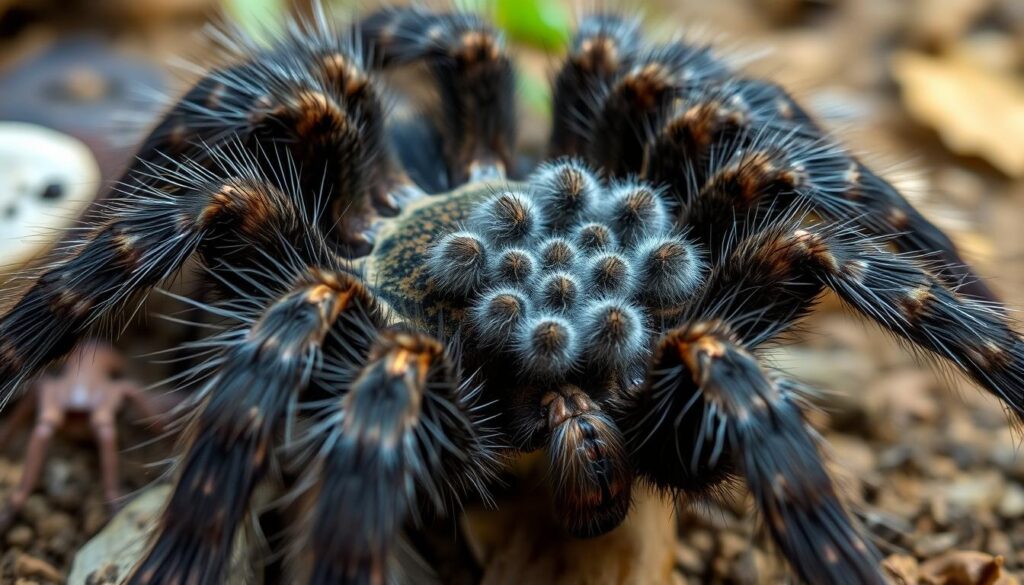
point(408, 309)
point(89, 385)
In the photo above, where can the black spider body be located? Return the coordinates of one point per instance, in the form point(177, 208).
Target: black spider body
point(399, 313)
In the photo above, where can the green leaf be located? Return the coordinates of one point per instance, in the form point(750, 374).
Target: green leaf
point(260, 19)
point(536, 93)
point(543, 23)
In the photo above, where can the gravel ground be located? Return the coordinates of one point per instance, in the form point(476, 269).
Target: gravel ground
point(930, 462)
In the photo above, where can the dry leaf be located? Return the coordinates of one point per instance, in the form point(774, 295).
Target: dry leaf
point(966, 568)
point(939, 22)
point(975, 111)
point(901, 569)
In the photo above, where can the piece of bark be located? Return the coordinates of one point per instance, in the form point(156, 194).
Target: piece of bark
point(521, 542)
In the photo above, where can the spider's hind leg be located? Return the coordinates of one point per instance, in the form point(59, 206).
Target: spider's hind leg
point(602, 46)
point(474, 77)
point(906, 295)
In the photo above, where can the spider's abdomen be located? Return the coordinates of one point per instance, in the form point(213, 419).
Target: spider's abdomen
point(397, 267)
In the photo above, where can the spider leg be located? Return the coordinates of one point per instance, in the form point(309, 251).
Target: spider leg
point(307, 103)
point(24, 408)
point(707, 411)
point(903, 294)
point(474, 77)
point(634, 105)
point(879, 209)
point(601, 47)
point(230, 440)
point(405, 437)
point(591, 475)
point(48, 422)
point(104, 429)
point(787, 267)
point(746, 120)
point(135, 242)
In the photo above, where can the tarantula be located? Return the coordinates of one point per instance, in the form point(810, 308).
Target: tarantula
point(408, 311)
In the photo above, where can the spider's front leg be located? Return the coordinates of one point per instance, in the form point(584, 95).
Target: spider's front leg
point(306, 111)
point(404, 441)
point(473, 74)
point(136, 242)
point(231, 437)
point(708, 410)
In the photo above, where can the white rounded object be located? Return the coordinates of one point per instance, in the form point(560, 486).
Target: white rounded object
point(47, 180)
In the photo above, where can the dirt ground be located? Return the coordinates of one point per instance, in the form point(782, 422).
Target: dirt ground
point(932, 93)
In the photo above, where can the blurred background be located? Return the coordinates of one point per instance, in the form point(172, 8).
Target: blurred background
point(930, 92)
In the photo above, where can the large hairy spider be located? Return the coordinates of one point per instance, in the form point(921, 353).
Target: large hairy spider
point(409, 310)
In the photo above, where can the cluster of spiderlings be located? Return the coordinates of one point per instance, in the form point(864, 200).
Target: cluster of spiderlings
point(567, 272)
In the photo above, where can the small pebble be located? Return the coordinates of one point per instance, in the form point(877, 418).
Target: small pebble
point(29, 566)
point(689, 559)
point(54, 524)
point(20, 536)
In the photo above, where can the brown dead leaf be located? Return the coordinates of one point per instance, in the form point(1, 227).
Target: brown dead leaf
point(901, 569)
point(975, 111)
point(940, 22)
point(966, 568)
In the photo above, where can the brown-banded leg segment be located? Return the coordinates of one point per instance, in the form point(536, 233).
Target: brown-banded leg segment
point(906, 296)
point(474, 77)
point(635, 104)
point(602, 46)
point(308, 112)
point(708, 410)
point(137, 241)
point(231, 438)
point(404, 441)
point(741, 117)
point(773, 277)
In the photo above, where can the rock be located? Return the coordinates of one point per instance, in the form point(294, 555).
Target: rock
point(976, 491)
point(64, 543)
point(933, 544)
point(975, 111)
point(54, 524)
point(899, 399)
point(966, 568)
point(1012, 503)
point(46, 180)
point(20, 536)
point(938, 23)
point(701, 540)
point(731, 545)
point(122, 542)
point(901, 569)
point(29, 566)
point(36, 509)
point(117, 547)
point(521, 543)
point(95, 516)
point(749, 568)
point(689, 559)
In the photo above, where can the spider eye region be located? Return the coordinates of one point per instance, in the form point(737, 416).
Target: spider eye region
point(564, 274)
